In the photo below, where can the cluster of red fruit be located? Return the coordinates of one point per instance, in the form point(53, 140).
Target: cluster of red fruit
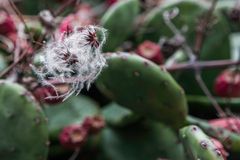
point(74, 136)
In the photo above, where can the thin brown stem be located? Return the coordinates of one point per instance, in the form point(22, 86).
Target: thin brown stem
point(201, 65)
point(9, 68)
point(202, 28)
point(206, 91)
point(201, 32)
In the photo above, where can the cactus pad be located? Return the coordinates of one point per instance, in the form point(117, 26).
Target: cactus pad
point(143, 87)
point(198, 145)
point(24, 133)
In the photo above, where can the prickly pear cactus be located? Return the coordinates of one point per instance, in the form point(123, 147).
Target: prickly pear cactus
point(119, 21)
point(197, 144)
point(143, 87)
point(216, 44)
point(24, 133)
point(147, 141)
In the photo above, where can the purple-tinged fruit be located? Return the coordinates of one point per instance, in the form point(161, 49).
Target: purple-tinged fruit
point(73, 136)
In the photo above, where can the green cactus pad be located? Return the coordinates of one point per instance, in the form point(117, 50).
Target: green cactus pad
point(144, 87)
point(216, 45)
point(230, 140)
point(72, 111)
point(198, 145)
point(24, 133)
point(149, 141)
point(118, 116)
point(119, 21)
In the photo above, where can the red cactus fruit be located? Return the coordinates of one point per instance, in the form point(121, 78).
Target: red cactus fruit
point(84, 16)
point(44, 94)
point(6, 23)
point(93, 124)
point(111, 2)
point(73, 136)
point(151, 51)
point(227, 84)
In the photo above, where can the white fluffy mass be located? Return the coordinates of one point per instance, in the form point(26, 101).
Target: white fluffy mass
point(75, 59)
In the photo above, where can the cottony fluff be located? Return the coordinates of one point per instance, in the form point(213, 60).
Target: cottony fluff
point(75, 59)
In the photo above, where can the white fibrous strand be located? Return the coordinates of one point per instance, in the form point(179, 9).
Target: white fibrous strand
point(74, 59)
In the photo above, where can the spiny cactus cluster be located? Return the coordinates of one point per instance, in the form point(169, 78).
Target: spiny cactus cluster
point(152, 76)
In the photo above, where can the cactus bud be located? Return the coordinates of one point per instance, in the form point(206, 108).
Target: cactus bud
point(151, 51)
point(73, 136)
point(93, 124)
point(42, 94)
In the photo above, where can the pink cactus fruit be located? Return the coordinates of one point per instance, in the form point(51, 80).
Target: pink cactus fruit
point(93, 124)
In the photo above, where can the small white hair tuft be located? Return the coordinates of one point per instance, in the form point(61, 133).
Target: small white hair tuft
point(75, 59)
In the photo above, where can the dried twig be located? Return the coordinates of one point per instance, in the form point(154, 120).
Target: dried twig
point(201, 31)
point(201, 65)
point(202, 28)
point(198, 45)
point(9, 68)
